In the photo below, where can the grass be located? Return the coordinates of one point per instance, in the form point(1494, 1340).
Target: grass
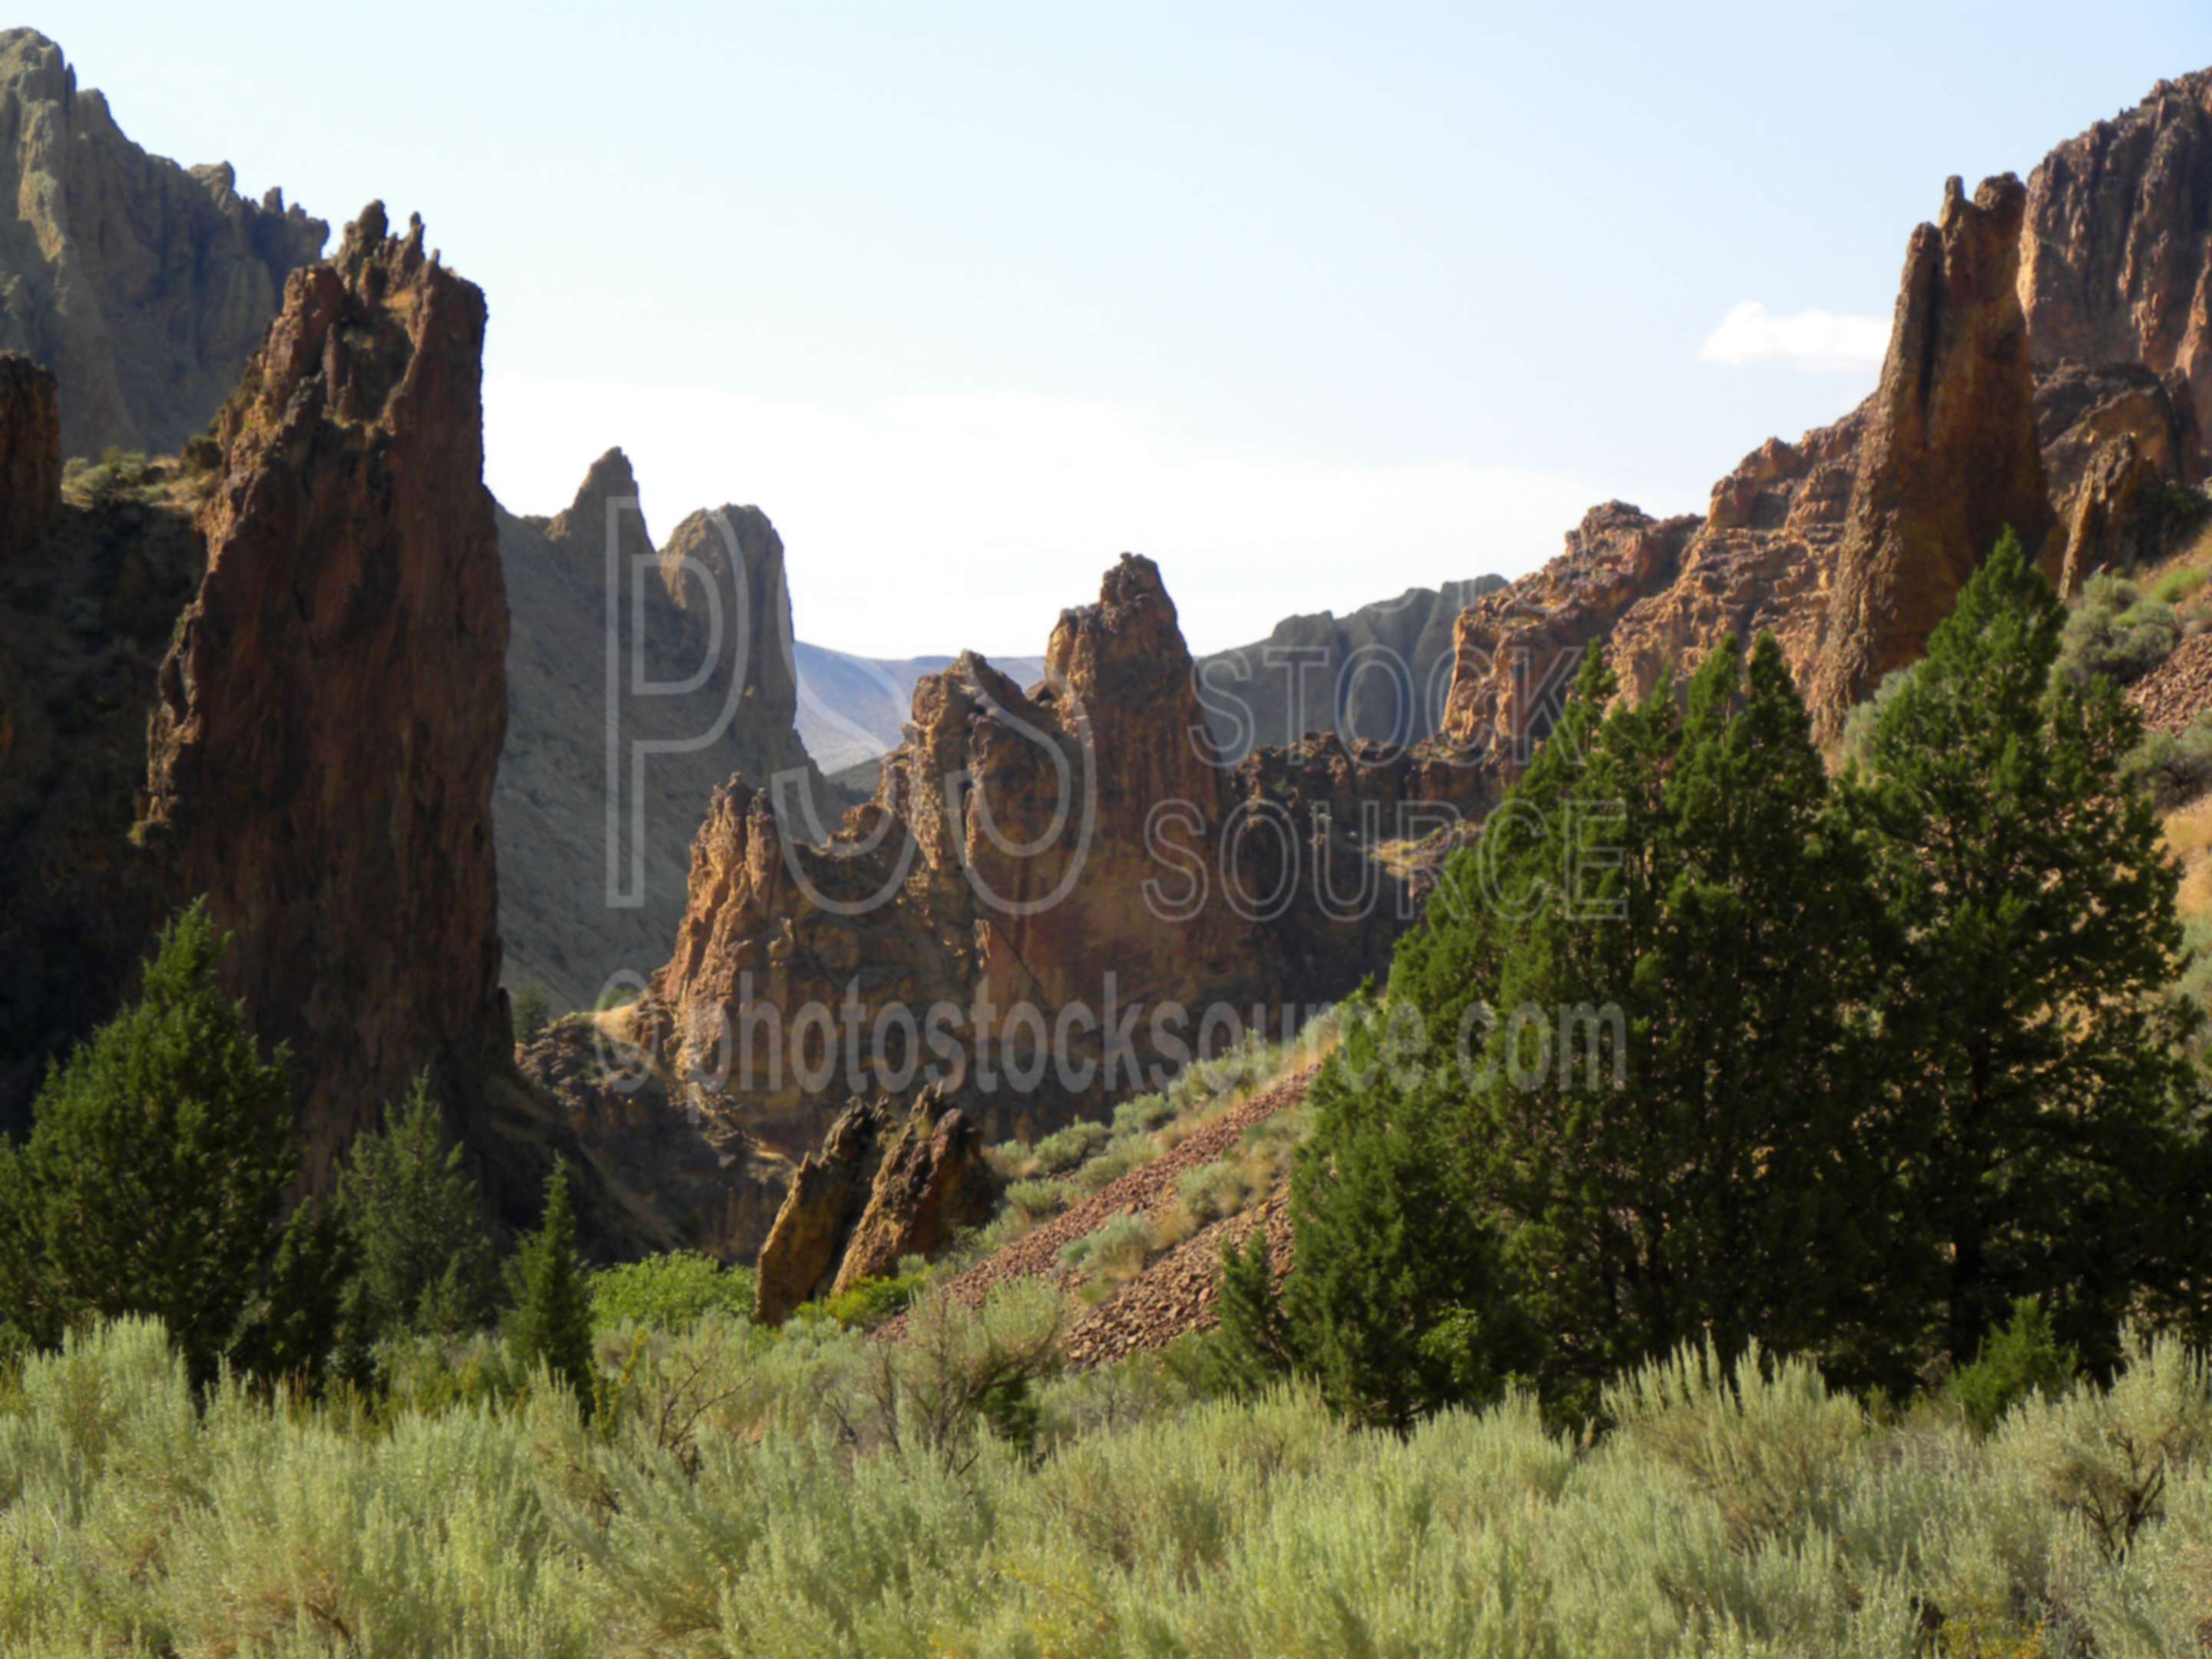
point(739, 1492)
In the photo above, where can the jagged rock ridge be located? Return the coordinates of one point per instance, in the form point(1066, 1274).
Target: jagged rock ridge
point(143, 286)
point(583, 900)
point(1379, 674)
point(330, 715)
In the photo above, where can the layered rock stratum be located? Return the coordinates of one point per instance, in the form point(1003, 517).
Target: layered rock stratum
point(144, 285)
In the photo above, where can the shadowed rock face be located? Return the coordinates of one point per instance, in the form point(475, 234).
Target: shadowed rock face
point(1376, 675)
point(563, 925)
point(2116, 265)
point(30, 453)
point(143, 286)
point(330, 715)
point(1950, 458)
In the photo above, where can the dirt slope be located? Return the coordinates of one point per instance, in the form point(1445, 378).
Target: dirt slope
point(1176, 1291)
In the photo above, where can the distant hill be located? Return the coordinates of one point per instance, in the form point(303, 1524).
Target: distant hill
point(852, 709)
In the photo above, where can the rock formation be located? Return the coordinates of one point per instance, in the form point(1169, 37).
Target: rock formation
point(882, 1186)
point(30, 453)
point(2116, 442)
point(583, 901)
point(1950, 458)
point(86, 609)
point(1055, 895)
point(854, 709)
point(1376, 675)
point(143, 286)
point(331, 712)
point(2117, 262)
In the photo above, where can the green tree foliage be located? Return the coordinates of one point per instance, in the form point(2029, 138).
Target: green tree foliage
point(533, 1012)
point(671, 1291)
point(1644, 1007)
point(293, 1325)
point(1396, 1307)
point(154, 1177)
point(416, 1227)
point(2034, 1043)
point(2023, 1357)
point(1251, 1349)
point(552, 1325)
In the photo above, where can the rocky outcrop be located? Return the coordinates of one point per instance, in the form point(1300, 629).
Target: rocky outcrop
point(1378, 674)
point(330, 714)
point(1056, 897)
point(1950, 458)
point(143, 286)
point(30, 453)
point(594, 849)
point(854, 709)
point(2117, 262)
point(881, 1187)
point(2117, 441)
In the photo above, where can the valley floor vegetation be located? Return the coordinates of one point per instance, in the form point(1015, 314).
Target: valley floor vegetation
point(1865, 1316)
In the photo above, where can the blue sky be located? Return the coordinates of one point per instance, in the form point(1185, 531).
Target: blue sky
point(1311, 304)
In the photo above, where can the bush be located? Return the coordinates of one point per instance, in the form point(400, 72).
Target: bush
point(2104, 640)
point(1058, 1152)
point(1213, 1190)
point(1142, 1115)
point(1763, 1439)
point(1115, 1250)
point(2023, 1357)
point(1033, 1200)
point(2177, 586)
point(2107, 1456)
point(867, 1302)
point(2173, 768)
point(669, 1292)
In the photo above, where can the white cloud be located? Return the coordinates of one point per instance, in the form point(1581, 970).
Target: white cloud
point(935, 523)
point(1816, 342)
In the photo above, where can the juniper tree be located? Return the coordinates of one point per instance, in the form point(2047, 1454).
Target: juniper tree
point(552, 1325)
point(416, 1225)
point(154, 1177)
point(1657, 1080)
point(2037, 1043)
point(1396, 1306)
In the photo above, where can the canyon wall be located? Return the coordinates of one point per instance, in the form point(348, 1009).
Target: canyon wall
point(595, 846)
point(143, 286)
point(330, 714)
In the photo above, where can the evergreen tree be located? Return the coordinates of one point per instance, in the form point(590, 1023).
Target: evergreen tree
point(533, 1013)
point(552, 1325)
point(416, 1225)
point(292, 1326)
point(2035, 1039)
point(1396, 1307)
point(154, 1177)
point(1252, 1349)
point(1761, 1066)
point(1659, 1081)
